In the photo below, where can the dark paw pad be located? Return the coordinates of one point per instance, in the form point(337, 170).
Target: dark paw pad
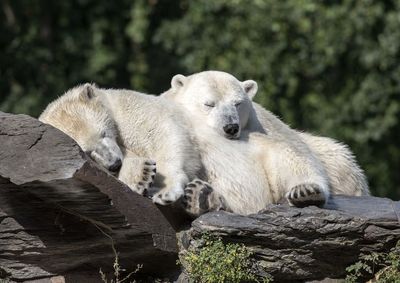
point(147, 178)
point(196, 197)
point(305, 195)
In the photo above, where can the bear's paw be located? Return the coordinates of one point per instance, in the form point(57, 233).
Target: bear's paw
point(146, 180)
point(306, 195)
point(199, 198)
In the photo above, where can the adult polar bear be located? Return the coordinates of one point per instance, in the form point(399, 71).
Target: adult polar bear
point(122, 125)
point(304, 167)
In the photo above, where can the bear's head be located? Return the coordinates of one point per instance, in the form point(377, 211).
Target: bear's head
point(215, 98)
point(81, 114)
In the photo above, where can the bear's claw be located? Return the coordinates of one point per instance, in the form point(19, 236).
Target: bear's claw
point(199, 198)
point(305, 195)
point(148, 175)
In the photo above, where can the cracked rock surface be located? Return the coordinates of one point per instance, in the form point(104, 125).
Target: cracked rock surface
point(59, 211)
point(298, 244)
point(25, 146)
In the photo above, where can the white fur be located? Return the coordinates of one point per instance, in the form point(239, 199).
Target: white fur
point(344, 174)
point(260, 164)
point(147, 127)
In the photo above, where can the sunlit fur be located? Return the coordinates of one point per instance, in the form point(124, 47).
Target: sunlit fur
point(86, 120)
point(145, 127)
point(344, 174)
point(268, 158)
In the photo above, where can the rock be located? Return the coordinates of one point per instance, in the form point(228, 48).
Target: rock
point(297, 244)
point(59, 211)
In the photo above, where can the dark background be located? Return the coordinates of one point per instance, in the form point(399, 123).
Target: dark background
point(327, 67)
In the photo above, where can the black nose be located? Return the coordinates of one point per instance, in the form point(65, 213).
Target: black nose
point(116, 166)
point(231, 129)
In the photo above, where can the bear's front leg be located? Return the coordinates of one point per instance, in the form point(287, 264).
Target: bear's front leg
point(174, 185)
point(138, 174)
point(168, 196)
point(199, 197)
point(173, 178)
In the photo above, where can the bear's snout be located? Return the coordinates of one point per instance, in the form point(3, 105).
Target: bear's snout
point(231, 129)
point(116, 166)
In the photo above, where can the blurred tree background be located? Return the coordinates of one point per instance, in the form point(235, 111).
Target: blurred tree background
point(328, 67)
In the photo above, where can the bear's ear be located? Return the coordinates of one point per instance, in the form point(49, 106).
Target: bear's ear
point(178, 81)
point(87, 91)
point(250, 87)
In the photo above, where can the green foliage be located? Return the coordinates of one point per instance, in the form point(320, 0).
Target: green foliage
point(328, 67)
point(384, 267)
point(216, 262)
point(366, 265)
point(49, 46)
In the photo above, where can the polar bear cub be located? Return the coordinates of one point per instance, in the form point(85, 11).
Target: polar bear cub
point(223, 115)
point(129, 129)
